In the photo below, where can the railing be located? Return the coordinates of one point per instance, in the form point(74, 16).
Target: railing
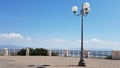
point(11, 52)
point(76, 53)
point(58, 52)
point(100, 54)
point(1, 52)
point(69, 53)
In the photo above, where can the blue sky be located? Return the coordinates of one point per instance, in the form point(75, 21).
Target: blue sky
point(51, 24)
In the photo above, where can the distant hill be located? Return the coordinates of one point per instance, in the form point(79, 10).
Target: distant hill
point(10, 47)
point(94, 49)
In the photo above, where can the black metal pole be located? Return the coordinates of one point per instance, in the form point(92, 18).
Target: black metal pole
point(81, 62)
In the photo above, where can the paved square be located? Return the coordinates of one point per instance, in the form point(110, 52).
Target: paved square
point(54, 62)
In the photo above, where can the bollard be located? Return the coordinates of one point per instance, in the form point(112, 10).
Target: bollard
point(49, 52)
point(65, 53)
point(87, 53)
point(27, 51)
point(5, 51)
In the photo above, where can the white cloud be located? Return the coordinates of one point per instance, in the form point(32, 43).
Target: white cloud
point(28, 38)
point(55, 41)
point(11, 36)
point(94, 40)
point(98, 41)
point(111, 42)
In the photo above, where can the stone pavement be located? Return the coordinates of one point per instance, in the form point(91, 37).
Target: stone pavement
point(54, 62)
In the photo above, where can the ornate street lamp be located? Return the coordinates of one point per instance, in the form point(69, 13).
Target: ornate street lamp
point(83, 12)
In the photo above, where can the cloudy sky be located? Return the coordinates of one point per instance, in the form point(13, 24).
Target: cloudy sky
point(51, 24)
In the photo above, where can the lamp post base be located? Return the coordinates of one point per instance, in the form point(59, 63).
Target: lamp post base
point(81, 63)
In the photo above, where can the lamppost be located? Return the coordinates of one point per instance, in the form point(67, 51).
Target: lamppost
point(83, 12)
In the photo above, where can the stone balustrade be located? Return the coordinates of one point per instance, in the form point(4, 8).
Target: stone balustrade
point(115, 53)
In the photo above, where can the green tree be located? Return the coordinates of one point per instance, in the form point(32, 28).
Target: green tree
point(34, 52)
point(22, 52)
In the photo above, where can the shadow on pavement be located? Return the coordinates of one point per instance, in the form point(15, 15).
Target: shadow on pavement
point(44, 66)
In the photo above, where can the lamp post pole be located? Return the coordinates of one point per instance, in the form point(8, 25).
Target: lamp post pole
point(81, 62)
point(83, 12)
